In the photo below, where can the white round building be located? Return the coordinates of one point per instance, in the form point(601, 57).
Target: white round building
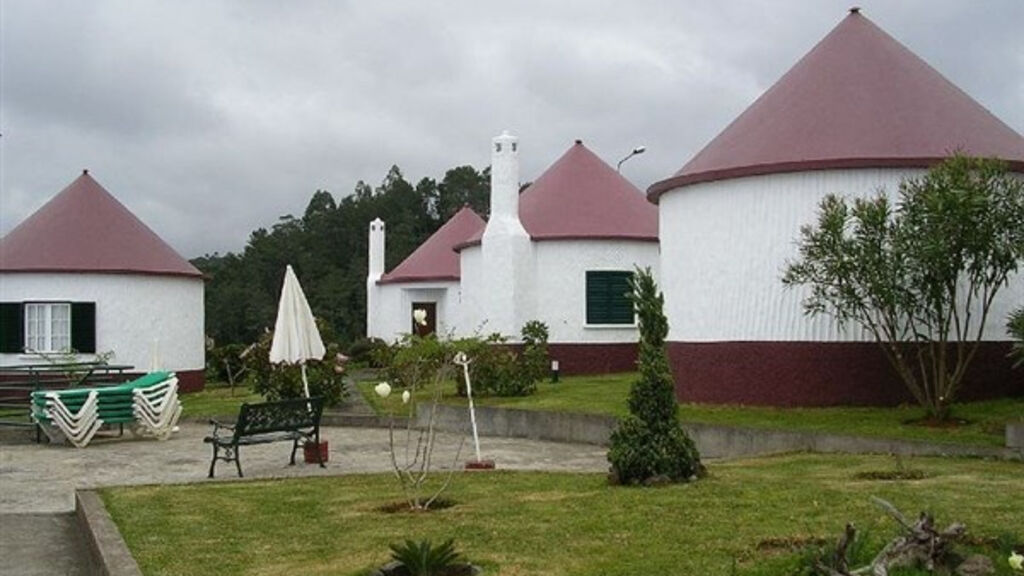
point(84, 274)
point(857, 114)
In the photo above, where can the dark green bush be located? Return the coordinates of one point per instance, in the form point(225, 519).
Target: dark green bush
point(494, 368)
point(649, 444)
point(534, 359)
point(412, 360)
point(364, 351)
point(220, 359)
point(280, 381)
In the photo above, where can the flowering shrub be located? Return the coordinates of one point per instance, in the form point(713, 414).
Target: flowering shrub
point(281, 381)
point(495, 367)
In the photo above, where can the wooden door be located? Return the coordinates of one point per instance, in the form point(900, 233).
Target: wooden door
point(431, 324)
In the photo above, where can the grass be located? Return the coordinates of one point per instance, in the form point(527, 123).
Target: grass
point(607, 394)
point(518, 523)
point(217, 399)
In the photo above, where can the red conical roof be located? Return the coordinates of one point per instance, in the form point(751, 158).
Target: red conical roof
point(436, 260)
point(582, 197)
point(858, 99)
point(85, 229)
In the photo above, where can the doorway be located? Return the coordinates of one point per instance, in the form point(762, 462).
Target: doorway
point(430, 326)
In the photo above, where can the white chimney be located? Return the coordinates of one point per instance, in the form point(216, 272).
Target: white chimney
point(374, 272)
point(506, 249)
point(504, 217)
point(376, 255)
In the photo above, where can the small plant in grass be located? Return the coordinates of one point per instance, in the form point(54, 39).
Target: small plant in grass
point(412, 469)
point(899, 472)
point(648, 446)
point(424, 559)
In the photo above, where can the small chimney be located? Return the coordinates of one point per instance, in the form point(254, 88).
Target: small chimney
point(376, 254)
point(505, 177)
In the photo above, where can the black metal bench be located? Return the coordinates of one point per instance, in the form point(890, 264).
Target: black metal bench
point(297, 420)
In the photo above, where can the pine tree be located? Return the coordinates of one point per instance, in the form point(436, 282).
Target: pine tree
point(649, 446)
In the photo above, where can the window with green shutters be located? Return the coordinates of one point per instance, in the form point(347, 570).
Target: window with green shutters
point(47, 327)
point(607, 300)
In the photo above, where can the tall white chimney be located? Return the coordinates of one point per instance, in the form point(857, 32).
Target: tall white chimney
point(375, 270)
point(506, 249)
point(504, 217)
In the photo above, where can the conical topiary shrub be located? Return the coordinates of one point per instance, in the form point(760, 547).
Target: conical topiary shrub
point(648, 445)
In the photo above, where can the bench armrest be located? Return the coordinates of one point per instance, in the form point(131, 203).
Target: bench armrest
point(218, 425)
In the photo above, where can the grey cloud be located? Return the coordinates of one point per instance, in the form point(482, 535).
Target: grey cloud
point(212, 119)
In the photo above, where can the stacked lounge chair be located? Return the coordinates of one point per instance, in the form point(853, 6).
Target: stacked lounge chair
point(149, 404)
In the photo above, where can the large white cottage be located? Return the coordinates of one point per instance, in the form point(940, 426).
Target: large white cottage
point(84, 274)
point(560, 252)
point(858, 113)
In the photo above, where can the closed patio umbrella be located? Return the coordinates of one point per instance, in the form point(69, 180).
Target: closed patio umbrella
point(296, 338)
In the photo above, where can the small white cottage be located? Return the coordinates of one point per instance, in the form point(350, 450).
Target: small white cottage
point(84, 274)
point(561, 252)
point(858, 113)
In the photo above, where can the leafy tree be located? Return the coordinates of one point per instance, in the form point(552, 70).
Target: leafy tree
point(327, 246)
point(649, 444)
point(1016, 329)
point(919, 276)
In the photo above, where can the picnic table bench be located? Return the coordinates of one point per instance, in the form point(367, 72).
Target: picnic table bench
point(296, 419)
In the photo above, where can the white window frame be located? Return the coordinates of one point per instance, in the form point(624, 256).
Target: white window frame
point(47, 327)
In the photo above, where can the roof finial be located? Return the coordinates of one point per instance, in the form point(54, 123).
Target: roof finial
point(85, 171)
point(855, 10)
point(578, 141)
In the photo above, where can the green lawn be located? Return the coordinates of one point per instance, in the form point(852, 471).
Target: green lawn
point(517, 523)
point(607, 394)
point(217, 400)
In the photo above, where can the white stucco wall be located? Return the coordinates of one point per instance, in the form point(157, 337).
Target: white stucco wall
point(393, 307)
point(559, 292)
point(472, 307)
point(135, 314)
point(724, 246)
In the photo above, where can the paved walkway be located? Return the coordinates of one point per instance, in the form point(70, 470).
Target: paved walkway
point(37, 478)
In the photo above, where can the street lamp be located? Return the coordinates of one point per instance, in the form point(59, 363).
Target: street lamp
point(636, 151)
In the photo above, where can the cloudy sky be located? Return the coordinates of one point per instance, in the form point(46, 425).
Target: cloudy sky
point(209, 119)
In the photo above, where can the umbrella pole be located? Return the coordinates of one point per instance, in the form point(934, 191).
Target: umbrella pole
point(305, 386)
point(305, 382)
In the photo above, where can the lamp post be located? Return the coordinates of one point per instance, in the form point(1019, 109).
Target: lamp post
point(636, 151)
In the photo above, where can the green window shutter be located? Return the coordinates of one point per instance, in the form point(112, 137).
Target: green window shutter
point(12, 328)
point(83, 327)
point(607, 300)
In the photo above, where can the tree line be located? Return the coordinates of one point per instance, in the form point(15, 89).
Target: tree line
point(327, 246)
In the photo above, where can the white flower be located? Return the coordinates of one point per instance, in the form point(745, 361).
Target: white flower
point(383, 389)
point(1016, 561)
point(419, 315)
point(405, 397)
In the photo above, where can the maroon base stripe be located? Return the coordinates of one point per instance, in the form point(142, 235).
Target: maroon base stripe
point(593, 358)
point(818, 374)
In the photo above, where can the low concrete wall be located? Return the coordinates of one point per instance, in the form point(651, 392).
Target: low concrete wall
point(1015, 435)
point(532, 424)
point(712, 441)
point(109, 553)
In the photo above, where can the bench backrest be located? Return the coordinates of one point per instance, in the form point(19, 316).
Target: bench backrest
point(280, 416)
